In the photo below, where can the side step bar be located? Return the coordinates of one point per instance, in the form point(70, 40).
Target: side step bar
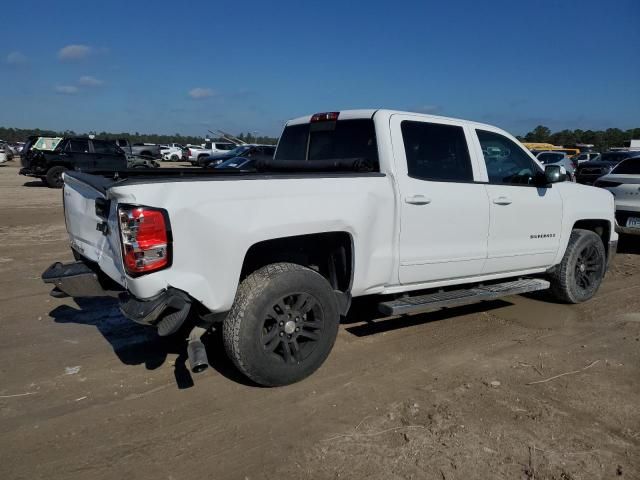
point(455, 298)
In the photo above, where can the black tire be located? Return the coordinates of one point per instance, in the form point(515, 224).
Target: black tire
point(174, 158)
point(202, 160)
point(282, 325)
point(53, 177)
point(577, 278)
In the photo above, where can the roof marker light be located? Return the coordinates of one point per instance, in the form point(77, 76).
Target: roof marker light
point(325, 117)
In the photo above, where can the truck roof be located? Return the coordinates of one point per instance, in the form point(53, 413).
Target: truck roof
point(370, 112)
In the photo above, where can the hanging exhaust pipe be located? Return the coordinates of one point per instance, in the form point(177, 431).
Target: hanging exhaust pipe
point(196, 352)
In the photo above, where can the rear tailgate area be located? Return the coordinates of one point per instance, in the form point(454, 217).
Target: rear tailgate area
point(91, 220)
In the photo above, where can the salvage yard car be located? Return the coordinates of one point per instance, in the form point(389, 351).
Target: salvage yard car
point(416, 212)
point(254, 152)
point(589, 172)
point(624, 183)
point(48, 158)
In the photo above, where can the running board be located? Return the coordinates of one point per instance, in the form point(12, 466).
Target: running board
point(455, 298)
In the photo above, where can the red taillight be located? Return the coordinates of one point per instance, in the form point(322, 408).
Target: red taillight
point(146, 242)
point(189, 152)
point(325, 117)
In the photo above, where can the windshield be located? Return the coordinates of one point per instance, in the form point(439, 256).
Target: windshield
point(546, 158)
point(614, 156)
point(628, 167)
point(343, 139)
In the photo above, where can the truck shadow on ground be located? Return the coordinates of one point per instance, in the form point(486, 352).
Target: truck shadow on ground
point(35, 183)
point(137, 344)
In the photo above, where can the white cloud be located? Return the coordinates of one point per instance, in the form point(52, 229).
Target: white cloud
point(201, 92)
point(89, 81)
point(66, 89)
point(16, 58)
point(74, 52)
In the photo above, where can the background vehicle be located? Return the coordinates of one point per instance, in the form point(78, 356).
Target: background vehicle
point(624, 183)
point(139, 149)
point(172, 153)
point(4, 154)
point(585, 157)
point(255, 152)
point(395, 205)
point(558, 158)
point(588, 172)
point(197, 156)
point(78, 153)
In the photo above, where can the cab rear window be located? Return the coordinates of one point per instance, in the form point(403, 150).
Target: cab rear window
point(337, 140)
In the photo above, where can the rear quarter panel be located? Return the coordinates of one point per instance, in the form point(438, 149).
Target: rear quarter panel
point(215, 222)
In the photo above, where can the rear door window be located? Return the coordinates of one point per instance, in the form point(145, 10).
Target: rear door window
point(436, 152)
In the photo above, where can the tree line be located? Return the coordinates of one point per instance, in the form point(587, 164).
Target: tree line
point(12, 135)
point(601, 139)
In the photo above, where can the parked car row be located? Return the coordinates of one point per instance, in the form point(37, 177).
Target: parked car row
point(623, 181)
point(589, 172)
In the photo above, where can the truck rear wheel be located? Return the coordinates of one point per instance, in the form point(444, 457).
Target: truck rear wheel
point(53, 178)
point(282, 325)
point(582, 269)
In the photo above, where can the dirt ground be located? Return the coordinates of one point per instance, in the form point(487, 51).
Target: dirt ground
point(84, 393)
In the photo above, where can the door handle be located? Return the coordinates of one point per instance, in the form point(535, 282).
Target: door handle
point(417, 200)
point(502, 200)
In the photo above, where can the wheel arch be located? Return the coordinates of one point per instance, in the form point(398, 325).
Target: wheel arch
point(600, 227)
point(331, 254)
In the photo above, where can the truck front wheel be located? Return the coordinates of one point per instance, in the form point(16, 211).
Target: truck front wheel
point(282, 325)
point(577, 278)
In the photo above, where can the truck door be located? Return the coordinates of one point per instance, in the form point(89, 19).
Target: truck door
point(444, 213)
point(526, 219)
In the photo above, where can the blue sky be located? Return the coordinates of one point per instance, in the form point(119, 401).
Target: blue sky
point(167, 66)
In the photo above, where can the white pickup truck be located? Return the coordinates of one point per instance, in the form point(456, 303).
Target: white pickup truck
point(419, 212)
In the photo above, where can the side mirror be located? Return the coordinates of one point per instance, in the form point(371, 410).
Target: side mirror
point(554, 174)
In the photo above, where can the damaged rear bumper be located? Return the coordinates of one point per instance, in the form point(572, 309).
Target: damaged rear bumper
point(167, 311)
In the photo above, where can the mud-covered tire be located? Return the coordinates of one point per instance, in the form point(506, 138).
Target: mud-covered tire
point(53, 178)
point(577, 278)
point(286, 305)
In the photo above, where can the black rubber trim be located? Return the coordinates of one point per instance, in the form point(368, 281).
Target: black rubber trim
point(76, 279)
point(102, 181)
point(167, 311)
